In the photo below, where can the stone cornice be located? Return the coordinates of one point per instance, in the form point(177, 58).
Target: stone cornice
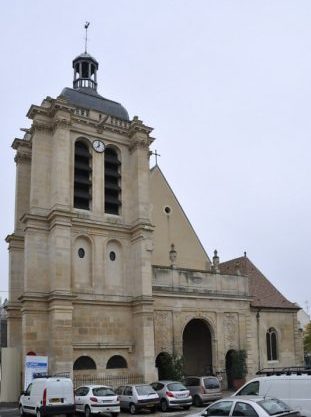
point(61, 123)
point(21, 157)
point(143, 300)
point(21, 143)
point(103, 346)
point(113, 124)
point(46, 297)
point(15, 241)
point(138, 126)
point(139, 230)
point(59, 218)
point(183, 292)
point(34, 221)
point(66, 218)
point(60, 104)
point(35, 110)
point(41, 126)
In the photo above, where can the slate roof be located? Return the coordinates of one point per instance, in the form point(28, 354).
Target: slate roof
point(88, 98)
point(264, 294)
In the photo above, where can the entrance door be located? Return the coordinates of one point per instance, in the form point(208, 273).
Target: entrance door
point(197, 348)
point(229, 368)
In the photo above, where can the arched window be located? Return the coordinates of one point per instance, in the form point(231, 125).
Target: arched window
point(271, 339)
point(82, 178)
point(84, 363)
point(116, 362)
point(112, 182)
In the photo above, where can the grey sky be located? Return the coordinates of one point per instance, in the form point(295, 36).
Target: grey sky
point(226, 86)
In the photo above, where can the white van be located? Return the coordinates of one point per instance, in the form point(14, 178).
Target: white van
point(294, 390)
point(46, 396)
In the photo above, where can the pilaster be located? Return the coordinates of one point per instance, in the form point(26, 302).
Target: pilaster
point(144, 338)
point(62, 162)
point(60, 333)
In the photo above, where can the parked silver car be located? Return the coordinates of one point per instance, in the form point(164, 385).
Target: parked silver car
point(203, 389)
point(172, 394)
point(137, 396)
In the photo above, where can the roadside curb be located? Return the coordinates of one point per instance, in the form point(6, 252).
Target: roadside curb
point(9, 404)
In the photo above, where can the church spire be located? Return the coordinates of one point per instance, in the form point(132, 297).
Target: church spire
point(85, 68)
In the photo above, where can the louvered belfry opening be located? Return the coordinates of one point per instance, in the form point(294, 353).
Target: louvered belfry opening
point(112, 182)
point(82, 181)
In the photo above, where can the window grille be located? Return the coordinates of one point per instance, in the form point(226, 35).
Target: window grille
point(82, 177)
point(112, 182)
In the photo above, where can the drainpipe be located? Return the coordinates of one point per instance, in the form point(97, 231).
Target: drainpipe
point(258, 341)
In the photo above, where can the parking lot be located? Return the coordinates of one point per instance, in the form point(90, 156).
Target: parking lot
point(13, 412)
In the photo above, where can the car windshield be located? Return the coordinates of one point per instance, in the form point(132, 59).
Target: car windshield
point(176, 386)
point(144, 390)
point(103, 392)
point(273, 406)
point(210, 383)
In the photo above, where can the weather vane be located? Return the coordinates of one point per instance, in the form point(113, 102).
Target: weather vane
point(87, 24)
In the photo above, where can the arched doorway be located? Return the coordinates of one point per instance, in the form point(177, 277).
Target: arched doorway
point(229, 368)
point(197, 348)
point(161, 362)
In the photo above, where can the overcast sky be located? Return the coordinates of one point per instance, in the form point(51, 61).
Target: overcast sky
point(226, 87)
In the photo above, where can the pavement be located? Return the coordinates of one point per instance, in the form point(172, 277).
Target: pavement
point(11, 410)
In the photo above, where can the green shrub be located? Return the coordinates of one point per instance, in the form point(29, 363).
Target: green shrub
point(171, 367)
point(239, 366)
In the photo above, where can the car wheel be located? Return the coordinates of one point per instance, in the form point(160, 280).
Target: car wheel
point(87, 411)
point(197, 401)
point(164, 406)
point(38, 412)
point(21, 411)
point(132, 408)
point(186, 407)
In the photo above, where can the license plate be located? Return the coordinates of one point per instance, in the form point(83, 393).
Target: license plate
point(55, 400)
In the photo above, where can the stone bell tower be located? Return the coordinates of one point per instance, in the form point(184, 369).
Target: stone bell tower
point(80, 254)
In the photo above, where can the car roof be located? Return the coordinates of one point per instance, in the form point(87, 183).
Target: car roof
point(251, 398)
point(168, 381)
point(94, 386)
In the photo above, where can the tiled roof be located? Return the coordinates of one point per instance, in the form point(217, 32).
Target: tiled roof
point(264, 294)
point(88, 98)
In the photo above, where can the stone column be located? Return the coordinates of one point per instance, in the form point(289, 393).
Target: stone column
point(62, 163)
point(23, 174)
point(60, 334)
point(144, 338)
point(141, 248)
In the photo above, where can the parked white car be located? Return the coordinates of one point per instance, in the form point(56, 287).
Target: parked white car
point(293, 389)
point(248, 406)
point(95, 399)
point(48, 396)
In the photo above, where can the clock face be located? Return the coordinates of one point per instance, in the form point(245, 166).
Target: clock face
point(98, 146)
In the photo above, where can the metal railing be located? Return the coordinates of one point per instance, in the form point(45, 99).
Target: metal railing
point(111, 380)
point(289, 370)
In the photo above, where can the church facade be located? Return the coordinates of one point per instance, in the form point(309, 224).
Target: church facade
point(106, 271)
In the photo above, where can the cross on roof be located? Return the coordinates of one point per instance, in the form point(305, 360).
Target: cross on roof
point(156, 154)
